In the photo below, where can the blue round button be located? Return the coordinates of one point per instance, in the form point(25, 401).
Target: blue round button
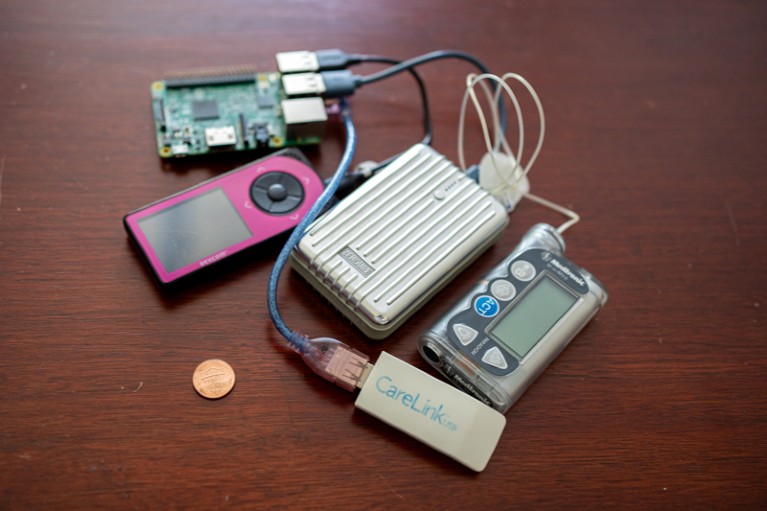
point(486, 306)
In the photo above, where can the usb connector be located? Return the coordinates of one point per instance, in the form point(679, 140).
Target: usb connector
point(410, 400)
point(311, 61)
point(347, 367)
point(297, 62)
point(429, 410)
point(303, 84)
point(364, 376)
point(328, 84)
point(337, 362)
point(317, 73)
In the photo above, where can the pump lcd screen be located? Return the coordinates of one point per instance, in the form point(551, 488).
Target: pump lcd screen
point(194, 229)
point(529, 320)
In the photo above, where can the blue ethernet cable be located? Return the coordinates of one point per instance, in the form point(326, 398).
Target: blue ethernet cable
point(330, 358)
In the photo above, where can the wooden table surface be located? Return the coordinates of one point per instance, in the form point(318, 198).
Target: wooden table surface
point(656, 135)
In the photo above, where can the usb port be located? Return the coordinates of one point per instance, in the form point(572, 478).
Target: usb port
point(297, 62)
point(304, 117)
point(328, 84)
point(303, 84)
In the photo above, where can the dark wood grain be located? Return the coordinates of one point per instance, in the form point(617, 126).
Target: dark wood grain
point(656, 117)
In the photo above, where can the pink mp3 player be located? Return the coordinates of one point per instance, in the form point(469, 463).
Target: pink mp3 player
point(209, 222)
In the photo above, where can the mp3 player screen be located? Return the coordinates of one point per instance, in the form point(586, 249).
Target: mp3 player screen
point(194, 229)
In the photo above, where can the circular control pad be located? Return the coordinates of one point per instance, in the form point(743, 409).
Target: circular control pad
point(277, 193)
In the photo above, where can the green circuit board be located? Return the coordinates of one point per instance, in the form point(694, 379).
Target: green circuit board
point(213, 110)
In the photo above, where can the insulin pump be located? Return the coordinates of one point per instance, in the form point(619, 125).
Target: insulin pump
point(500, 337)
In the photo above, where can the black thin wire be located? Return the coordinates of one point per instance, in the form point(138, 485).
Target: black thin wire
point(422, 59)
point(353, 179)
point(407, 65)
point(427, 126)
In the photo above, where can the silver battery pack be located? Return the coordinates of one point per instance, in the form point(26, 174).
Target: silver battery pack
point(398, 239)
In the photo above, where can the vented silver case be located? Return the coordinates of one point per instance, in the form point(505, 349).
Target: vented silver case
point(398, 239)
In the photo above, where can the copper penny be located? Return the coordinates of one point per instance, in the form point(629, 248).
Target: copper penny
point(213, 379)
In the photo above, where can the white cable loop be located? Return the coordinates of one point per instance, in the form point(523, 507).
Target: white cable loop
point(514, 181)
